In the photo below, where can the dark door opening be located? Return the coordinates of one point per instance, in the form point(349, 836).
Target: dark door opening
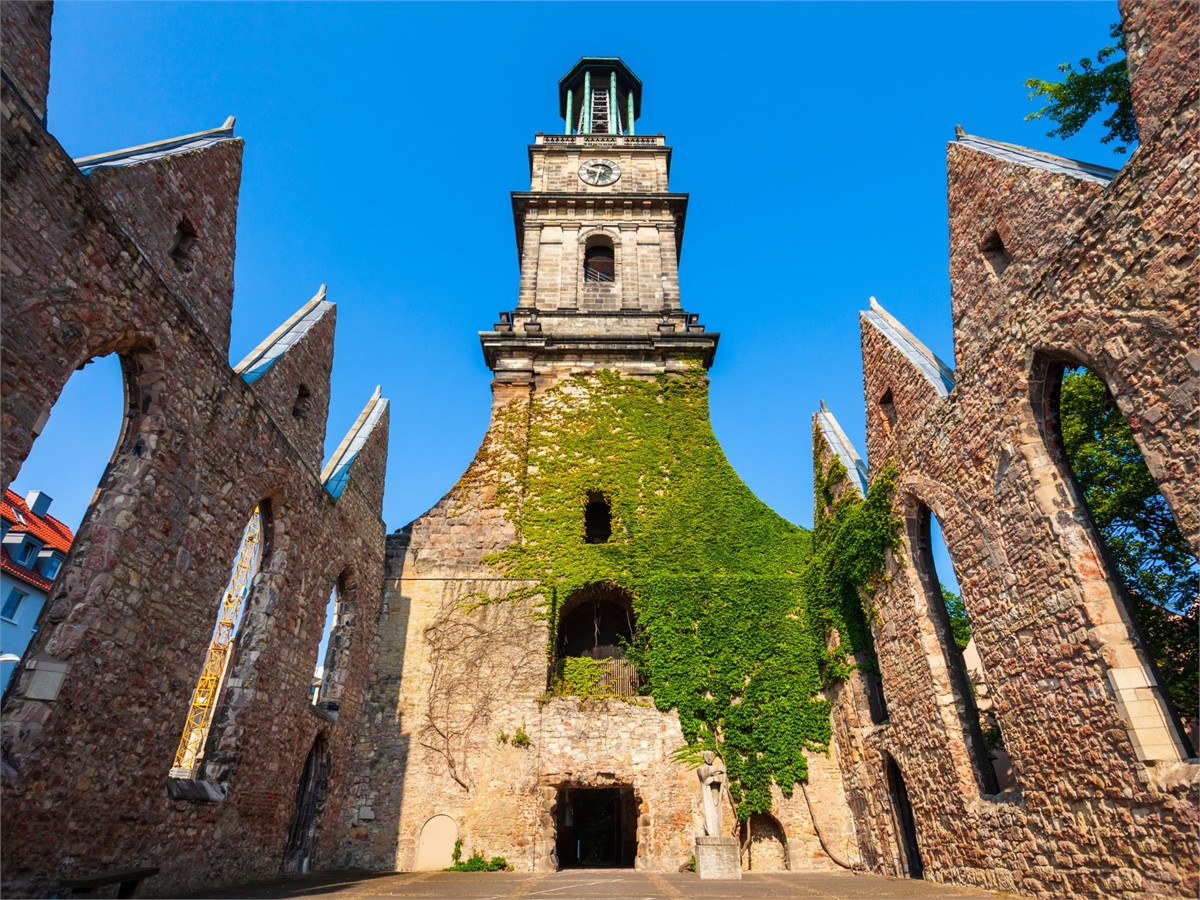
point(906, 826)
point(597, 827)
point(298, 856)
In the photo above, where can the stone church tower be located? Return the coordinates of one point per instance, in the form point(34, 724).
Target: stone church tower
point(598, 514)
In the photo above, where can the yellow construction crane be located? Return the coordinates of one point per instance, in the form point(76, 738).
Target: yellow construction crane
point(208, 689)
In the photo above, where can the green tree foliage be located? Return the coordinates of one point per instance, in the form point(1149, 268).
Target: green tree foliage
point(960, 625)
point(1082, 93)
point(1150, 554)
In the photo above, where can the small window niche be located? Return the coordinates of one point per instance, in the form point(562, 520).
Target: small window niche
point(995, 256)
point(182, 245)
point(303, 403)
point(887, 406)
point(597, 519)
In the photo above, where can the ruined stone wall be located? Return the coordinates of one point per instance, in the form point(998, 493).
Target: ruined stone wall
point(462, 663)
point(127, 625)
point(26, 31)
point(454, 672)
point(1097, 274)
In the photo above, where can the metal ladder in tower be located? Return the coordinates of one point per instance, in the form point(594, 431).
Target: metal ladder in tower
point(600, 111)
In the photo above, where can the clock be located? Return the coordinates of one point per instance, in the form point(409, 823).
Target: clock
point(599, 172)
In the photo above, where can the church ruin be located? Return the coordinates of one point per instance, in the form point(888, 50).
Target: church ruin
point(489, 678)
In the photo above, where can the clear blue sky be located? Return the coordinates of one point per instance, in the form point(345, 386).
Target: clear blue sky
point(382, 141)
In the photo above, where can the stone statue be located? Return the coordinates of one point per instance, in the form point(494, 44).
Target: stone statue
point(712, 779)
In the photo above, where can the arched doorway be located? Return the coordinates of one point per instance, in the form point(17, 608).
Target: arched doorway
point(764, 844)
point(435, 847)
point(596, 827)
point(310, 792)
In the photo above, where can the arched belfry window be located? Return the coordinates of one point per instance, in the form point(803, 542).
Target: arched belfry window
point(593, 630)
point(597, 519)
point(599, 260)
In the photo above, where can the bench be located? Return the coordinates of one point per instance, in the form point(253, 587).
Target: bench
point(128, 879)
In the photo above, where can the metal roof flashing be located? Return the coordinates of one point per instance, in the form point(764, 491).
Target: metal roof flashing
point(157, 150)
point(940, 375)
point(1061, 165)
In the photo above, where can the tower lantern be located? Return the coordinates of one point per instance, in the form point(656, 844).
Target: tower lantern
point(600, 95)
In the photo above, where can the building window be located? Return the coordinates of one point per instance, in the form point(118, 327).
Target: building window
point(190, 753)
point(12, 603)
point(302, 404)
point(50, 565)
point(597, 519)
point(887, 406)
point(968, 683)
point(26, 552)
point(182, 244)
point(599, 261)
point(997, 258)
point(333, 654)
point(1152, 577)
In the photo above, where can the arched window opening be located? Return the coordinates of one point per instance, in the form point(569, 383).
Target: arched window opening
point(964, 668)
point(1145, 552)
point(764, 845)
point(994, 255)
point(310, 796)
point(51, 493)
point(182, 244)
point(303, 403)
point(599, 260)
point(333, 654)
point(597, 519)
point(190, 754)
point(903, 821)
point(595, 630)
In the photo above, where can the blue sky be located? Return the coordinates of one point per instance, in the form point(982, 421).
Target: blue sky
point(382, 141)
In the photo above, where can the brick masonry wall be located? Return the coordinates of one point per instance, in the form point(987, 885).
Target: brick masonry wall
point(1103, 276)
point(130, 619)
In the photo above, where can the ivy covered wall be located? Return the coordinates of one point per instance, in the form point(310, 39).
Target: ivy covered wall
point(724, 633)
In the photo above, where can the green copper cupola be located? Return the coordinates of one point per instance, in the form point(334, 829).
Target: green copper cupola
point(600, 95)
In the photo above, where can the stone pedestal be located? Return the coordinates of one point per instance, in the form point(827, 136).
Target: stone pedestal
point(717, 858)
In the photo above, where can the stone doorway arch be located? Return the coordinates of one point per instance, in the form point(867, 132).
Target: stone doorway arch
point(765, 845)
point(435, 846)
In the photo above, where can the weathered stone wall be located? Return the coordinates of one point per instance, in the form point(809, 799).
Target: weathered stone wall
point(87, 272)
point(26, 30)
point(456, 672)
point(1097, 274)
point(453, 675)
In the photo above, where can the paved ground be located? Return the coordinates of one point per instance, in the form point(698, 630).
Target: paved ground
point(594, 884)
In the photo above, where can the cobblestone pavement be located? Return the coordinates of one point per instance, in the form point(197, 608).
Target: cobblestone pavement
point(594, 884)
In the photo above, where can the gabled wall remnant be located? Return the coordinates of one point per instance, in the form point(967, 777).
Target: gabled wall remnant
point(1052, 262)
point(135, 257)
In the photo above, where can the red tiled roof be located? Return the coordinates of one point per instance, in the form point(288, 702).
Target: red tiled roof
point(8, 564)
point(46, 529)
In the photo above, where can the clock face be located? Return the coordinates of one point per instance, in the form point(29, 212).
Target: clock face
point(599, 172)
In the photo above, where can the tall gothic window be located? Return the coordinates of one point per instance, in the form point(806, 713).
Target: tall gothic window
point(190, 753)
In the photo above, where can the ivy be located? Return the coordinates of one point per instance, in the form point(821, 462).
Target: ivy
point(851, 538)
point(579, 676)
point(732, 621)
